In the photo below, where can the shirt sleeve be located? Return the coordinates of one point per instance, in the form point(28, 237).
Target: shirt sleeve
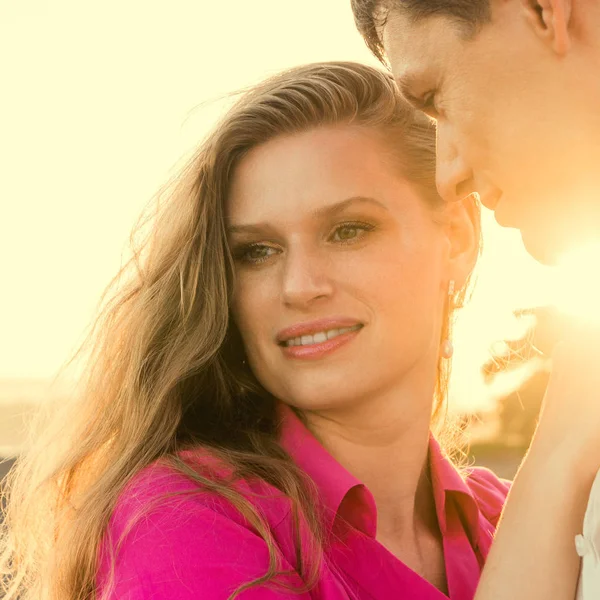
point(186, 550)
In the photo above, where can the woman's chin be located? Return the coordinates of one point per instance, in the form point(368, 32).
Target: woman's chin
point(323, 400)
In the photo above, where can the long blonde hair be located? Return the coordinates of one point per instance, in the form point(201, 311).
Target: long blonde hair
point(164, 360)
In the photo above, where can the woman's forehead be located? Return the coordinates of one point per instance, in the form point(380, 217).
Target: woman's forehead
point(302, 175)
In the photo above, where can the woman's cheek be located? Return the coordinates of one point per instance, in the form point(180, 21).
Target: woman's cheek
point(252, 304)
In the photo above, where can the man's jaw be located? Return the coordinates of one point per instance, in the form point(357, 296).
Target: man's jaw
point(542, 237)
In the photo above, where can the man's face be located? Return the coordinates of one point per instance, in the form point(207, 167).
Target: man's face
point(515, 121)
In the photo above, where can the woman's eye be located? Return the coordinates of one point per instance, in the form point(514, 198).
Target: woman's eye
point(255, 253)
point(350, 232)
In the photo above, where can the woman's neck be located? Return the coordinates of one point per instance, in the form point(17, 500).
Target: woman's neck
point(384, 445)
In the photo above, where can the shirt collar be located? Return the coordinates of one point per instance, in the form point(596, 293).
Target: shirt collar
point(334, 483)
point(449, 485)
point(344, 495)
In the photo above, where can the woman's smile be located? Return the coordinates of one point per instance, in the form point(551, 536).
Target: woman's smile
point(316, 339)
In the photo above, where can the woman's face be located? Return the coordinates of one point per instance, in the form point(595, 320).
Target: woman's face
point(341, 270)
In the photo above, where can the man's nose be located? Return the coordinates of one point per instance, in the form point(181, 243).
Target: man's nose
point(306, 279)
point(454, 177)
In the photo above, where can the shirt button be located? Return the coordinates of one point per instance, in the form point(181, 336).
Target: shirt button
point(583, 546)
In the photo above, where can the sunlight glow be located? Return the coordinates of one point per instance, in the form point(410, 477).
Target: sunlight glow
point(97, 127)
point(577, 290)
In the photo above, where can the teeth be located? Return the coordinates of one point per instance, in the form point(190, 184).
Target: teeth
point(320, 337)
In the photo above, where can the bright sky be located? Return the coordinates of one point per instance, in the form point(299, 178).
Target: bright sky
point(102, 99)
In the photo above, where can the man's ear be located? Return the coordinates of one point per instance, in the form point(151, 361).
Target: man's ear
point(463, 229)
point(550, 20)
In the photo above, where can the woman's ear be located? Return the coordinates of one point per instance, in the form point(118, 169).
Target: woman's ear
point(549, 20)
point(463, 230)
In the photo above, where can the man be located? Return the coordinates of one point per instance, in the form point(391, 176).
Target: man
point(514, 87)
point(515, 91)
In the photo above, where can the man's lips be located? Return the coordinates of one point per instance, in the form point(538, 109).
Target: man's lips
point(314, 327)
point(491, 200)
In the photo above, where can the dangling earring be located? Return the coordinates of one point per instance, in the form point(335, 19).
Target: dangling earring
point(447, 349)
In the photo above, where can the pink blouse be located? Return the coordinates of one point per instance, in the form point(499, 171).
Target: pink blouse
point(197, 546)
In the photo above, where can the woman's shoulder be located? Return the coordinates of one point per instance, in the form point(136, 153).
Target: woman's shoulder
point(154, 494)
point(161, 488)
point(489, 491)
point(171, 535)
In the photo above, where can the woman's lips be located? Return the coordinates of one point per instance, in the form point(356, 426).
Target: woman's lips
point(319, 349)
point(315, 327)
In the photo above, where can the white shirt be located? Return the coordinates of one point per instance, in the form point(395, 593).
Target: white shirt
point(588, 547)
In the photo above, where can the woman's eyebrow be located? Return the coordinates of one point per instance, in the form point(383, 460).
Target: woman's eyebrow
point(328, 210)
point(333, 209)
point(251, 228)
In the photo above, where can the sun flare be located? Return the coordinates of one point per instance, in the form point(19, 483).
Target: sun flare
point(576, 289)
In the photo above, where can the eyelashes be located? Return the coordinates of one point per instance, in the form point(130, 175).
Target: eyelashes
point(427, 104)
point(360, 229)
point(257, 253)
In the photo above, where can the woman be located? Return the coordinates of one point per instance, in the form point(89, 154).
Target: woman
point(258, 416)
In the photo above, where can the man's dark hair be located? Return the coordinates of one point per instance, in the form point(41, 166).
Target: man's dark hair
point(370, 16)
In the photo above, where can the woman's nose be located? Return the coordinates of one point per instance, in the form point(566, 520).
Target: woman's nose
point(306, 278)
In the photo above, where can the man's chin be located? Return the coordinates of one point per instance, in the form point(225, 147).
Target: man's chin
point(543, 249)
point(548, 244)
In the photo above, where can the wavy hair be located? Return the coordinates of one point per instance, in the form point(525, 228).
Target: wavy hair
point(163, 361)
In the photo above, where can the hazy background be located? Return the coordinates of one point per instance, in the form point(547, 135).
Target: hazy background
point(101, 102)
